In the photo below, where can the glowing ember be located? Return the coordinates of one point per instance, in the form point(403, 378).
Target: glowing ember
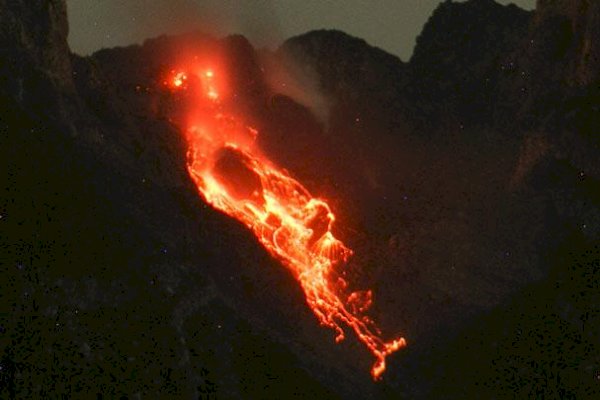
point(179, 79)
point(235, 177)
point(212, 94)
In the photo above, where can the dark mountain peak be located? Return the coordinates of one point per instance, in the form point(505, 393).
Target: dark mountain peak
point(317, 42)
point(468, 32)
point(335, 44)
point(342, 61)
point(458, 57)
point(319, 36)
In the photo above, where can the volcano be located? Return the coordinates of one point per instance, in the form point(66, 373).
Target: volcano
point(182, 218)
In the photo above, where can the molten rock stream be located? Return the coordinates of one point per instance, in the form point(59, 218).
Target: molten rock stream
point(233, 176)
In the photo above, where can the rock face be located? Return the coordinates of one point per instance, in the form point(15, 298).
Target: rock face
point(579, 22)
point(38, 33)
point(33, 39)
point(459, 57)
point(467, 180)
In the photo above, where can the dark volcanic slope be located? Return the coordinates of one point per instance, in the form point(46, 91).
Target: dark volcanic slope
point(467, 180)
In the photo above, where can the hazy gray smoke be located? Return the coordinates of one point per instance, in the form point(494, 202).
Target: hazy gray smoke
point(286, 76)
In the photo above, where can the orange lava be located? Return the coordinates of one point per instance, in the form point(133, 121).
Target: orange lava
point(233, 175)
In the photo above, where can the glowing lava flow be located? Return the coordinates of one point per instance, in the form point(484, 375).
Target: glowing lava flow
point(233, 176)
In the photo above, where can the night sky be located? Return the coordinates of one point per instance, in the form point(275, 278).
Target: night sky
point(392, 25)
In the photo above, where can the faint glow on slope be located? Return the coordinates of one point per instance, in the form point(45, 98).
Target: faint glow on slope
point(233, 175)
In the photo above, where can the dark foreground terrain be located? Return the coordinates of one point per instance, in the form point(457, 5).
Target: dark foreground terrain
point(468, 180)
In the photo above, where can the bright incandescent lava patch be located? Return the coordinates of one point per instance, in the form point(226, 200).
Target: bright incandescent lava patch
point(234, 176)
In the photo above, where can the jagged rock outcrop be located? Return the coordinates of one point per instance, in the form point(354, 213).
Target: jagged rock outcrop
point(35, 36)
point(460, 57)
point(33, 43)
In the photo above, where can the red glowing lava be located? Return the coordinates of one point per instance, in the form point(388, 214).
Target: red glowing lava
point(233, 175)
